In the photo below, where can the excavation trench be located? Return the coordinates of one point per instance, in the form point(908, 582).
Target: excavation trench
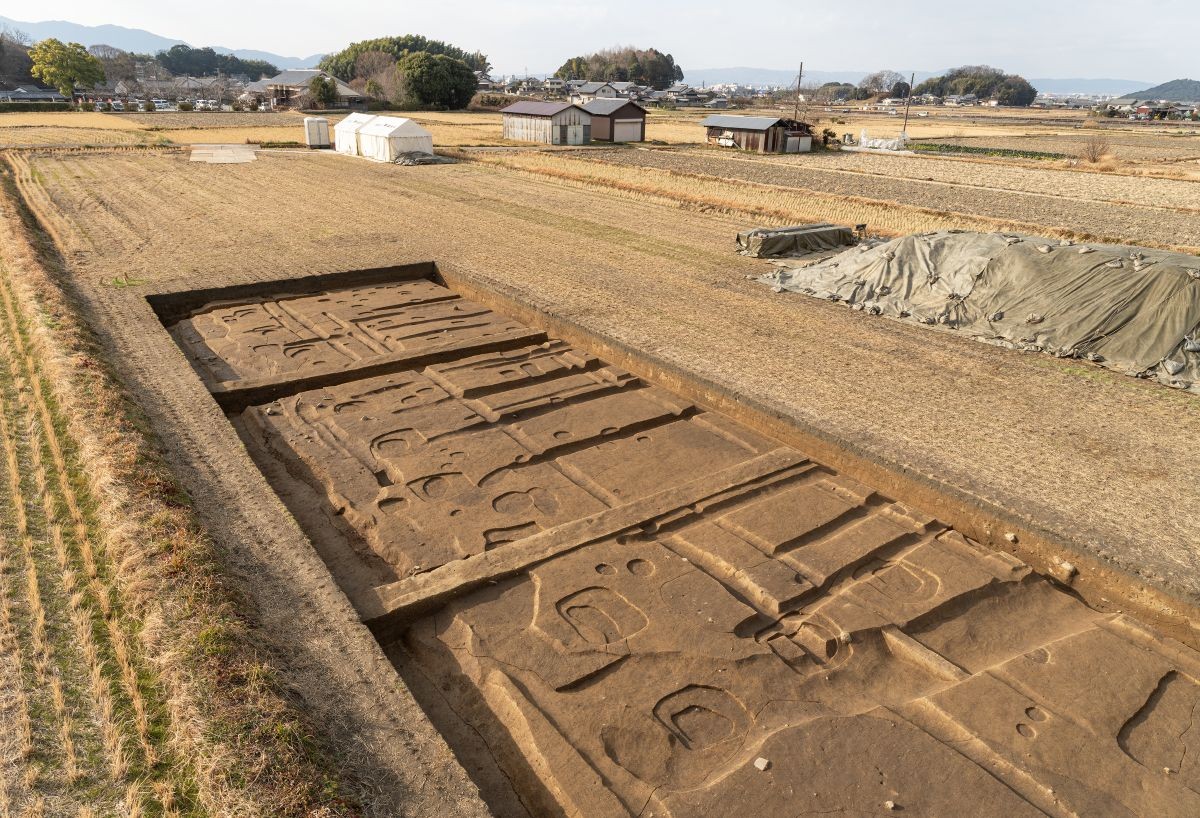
point(618, 590)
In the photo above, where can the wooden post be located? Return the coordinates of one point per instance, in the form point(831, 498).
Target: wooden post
point(908, 103)
point(799, 78)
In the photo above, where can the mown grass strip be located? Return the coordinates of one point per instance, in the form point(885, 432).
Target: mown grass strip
point(229, 741)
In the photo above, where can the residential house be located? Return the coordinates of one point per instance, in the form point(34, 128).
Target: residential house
point(31, 93)
point(593, 90)
point(290, 88)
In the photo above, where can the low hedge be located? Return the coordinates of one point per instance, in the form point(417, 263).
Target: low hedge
point(13, 107)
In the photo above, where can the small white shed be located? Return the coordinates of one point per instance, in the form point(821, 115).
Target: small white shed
point(386, 137)
point(345, 133)
point(316, 131)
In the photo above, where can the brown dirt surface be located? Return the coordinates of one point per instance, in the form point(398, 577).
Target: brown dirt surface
point(1096, 460)
point(638, 604)
point(1163, 225)
point(1028, 439)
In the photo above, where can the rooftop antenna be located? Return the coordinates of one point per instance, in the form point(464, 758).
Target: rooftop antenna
point(908, 102)
point(799, 77)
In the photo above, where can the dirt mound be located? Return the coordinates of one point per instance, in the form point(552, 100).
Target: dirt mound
point(1131, 309)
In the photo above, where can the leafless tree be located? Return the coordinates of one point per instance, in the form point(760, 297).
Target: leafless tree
point(881, 82)
point(1095, 147)
point(371, 64)
point(14, 53)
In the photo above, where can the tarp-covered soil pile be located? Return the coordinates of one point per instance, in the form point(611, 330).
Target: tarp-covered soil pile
point(776, 242)
point(1131, 309)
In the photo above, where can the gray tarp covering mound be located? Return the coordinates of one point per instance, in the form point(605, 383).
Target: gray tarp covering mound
point(773, 242)
point(1131, 309)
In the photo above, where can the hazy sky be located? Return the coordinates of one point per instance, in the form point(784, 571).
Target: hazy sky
point(1151, 40)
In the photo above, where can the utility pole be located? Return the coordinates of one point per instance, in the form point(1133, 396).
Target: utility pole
point(799, 77)
point(908, 103)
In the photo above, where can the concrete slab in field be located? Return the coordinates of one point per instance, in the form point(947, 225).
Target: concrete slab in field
point(224, 154)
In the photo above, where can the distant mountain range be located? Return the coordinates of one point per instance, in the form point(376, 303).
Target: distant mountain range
point(771, 76)
point(140, 41)
point(1175, 90)
point(146, 42)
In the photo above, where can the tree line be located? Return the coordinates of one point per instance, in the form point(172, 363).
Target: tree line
point(409, 72)
point(983, 81)
point(641, 66)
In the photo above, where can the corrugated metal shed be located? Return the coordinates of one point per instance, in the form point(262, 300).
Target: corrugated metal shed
point(740, 123)
point(554, 123)
point(617, 120)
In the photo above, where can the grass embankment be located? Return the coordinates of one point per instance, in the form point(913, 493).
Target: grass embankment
point(125, 662)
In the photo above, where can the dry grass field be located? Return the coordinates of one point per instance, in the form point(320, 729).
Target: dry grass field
point(149, 659)
point(1071, 182)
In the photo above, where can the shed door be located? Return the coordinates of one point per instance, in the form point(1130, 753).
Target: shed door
point(562, 135)
point(627, 130)
point(793, 144)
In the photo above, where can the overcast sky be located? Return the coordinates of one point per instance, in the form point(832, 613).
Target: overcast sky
point(1151, 40)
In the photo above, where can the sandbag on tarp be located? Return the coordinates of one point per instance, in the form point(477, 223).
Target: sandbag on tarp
point(1131, 309)
point(773, 242)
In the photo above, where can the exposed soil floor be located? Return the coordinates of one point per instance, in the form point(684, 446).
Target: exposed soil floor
point(1104, 463)
point(641, 607)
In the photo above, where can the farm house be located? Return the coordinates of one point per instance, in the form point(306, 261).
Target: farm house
point(617, 120)
point(761, 134)
point(345, 133)
point(552, 123)
point(385, 138)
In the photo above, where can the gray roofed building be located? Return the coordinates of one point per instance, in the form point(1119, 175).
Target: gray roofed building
point(604, 107)
point(537, 108)
point(31, 93)
point(553, 123)
point(740, 123)
point(288, 87)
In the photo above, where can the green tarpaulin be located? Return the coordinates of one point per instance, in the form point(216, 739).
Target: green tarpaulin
point(1132, 309)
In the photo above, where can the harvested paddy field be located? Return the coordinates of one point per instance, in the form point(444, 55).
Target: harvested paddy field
point(178, 120)
point(1020, 177)
point(1163, 225)
point(37, 136)
point(705, 533)
point(1131, 146)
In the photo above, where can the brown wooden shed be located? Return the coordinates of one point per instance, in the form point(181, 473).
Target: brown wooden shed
point(761, 134)
point(617, 120)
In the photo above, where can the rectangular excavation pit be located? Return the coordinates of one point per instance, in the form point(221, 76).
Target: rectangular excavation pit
point(613, 600)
